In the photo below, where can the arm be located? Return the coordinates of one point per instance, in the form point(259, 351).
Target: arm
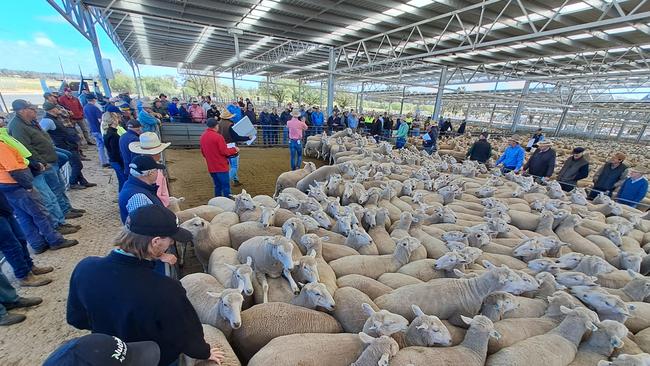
point(599, 172)
point(471, 149)
point(235, 137)
point(136, 201)
point(520, 159)
point(500, 159)
point(621, 179)
point(76, 314)
point(551, 166)
point(222, 148)
point(583, 172)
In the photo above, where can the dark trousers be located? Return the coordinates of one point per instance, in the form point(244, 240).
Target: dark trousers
point(32, 216)
point(568, 186)
point(221, 184)
point(119, 173)
point(295, 149)
point(14, 247)
point(267, 134)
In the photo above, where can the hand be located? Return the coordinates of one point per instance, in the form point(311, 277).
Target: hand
point(41, 167)
point(216, 355)
point(168, 258)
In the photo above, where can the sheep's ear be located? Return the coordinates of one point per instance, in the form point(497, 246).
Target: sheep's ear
point(416, 310)
point(459, 273)
point(181, 199)
point(487, 264)
point(631, 307)
point(249, 261)
point(243, 191)
point(466, 320)
point(565, 310)
point(633, 274)
point(367, 309)
point(616, 342)
point(366, 338)
point(312, 253)
point(214, 294)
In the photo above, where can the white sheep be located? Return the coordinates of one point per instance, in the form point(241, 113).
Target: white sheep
point(225, 267)
point(601, 343)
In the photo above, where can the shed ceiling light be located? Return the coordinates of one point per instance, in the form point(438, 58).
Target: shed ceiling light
point(419, 3)
point(393, 12)
point(141, 36)
point(620, 30)
point(199, 44)
point(580, 36)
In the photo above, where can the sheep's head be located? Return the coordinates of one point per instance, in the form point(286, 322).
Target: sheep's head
point(588, 317)
point(316, 192)
point(569, 260)
point(268, 215)
point(291, 226)
point(288, 201)
point(382, 322)
point(370, 217)
point(481, 324)
point(318, 296)
point(195, 225)
point(639, 286)
point(508, 280)
point(641, 359)
point(385, 347)
point(229, 306)
point(309, 205)
point(448, 216)
point(501, 301)
point(310, 242)
point(471, 254)
point(343, 224)
point(281, 250)
point(613, 235)
point(529, 249)
point(244, 201)
point(309, 167)
point(631, 261)
point(455, 245)
point(570, 279)
point(405, 246)
point(543, 265)
point(306, 268)
point(358, 238)
point(242, 276)
point(454, 236)
point(478, 239)
point(559, 299)
point(530, 283)
point(322, 219)
point(578, 198)
point(427, 330)
point(486, 191)
point(309, 222)
point(449, 261)
point(612, 331)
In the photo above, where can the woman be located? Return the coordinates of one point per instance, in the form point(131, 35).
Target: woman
point(112, 144)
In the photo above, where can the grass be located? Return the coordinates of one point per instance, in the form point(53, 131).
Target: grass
point(10, 84)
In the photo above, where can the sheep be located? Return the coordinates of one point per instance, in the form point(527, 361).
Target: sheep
point(642, 338)
point(461, 296)
point(323, 172)
point(607, 306)
point(472, 351)
point(264, 322)
point(224, 203)
point(378, 351)
point(360, 241)
point(243, 231)
point(642, 359)
point(311, 242)
point(349, 310)
point(497, 304)
point(367, 285)
point(225, 267)
point(374, 266)
point(593, 266)
point(204, 211)
point(206, 238)
point(383, 322)
point(214, 305)
point(397, 280)
point(557, 347)
point(529, 250)
point(571, 279)
point(424, 331)
point(175, 203)
point(636, 290)
point(566, 232)
point(315, 349)
point(384, 242)
point(272, 256)
point(313, 295)
point(291, 178)
point(600, 344)
point(543, 265)
point(215, 338)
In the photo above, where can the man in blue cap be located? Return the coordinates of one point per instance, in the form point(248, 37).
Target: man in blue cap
point(103, 350)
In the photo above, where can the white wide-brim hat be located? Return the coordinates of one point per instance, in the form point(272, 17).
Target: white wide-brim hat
point(149, 144)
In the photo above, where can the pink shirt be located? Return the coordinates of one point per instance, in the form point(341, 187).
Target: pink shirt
point(296, 127)
point(163, 190)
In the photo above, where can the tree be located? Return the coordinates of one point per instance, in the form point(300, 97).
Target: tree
point(122, 82)
point(279, 92)
point(343, 99)
point(310, 97)
point(154, 85)
point(197, 85)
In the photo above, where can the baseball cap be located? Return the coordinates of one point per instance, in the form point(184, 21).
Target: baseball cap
point(211, 122)
point(47, 94)
point(578, 150)
point(47, 106)
point(91, 96)
point(156, 220)
point(143, 163)
point(20, 104)
point(103, 350)
point(113, 109)
point(133, 123)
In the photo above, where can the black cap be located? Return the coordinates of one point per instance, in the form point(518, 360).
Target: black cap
point(142, 163)
point(47, 95)
point(156, 220)
point(578, 150)
point(47, 106)
point(133, 123)
point(211, 122)
point(20, 104)
point(103, 350)
point(91, 96)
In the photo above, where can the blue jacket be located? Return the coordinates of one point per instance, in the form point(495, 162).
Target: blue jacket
point(133, 186)
point(353, 122)
point(317, 118)
point(94, 117)
point(147, 121)
point(631, 193)
point(172, 109)
point(236, 111)
point(107, 295)
point(127, 155)
point(512, 157)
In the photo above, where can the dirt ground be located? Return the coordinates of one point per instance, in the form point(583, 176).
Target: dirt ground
point(258, 171)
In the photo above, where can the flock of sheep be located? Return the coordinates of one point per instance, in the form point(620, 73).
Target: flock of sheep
point(391, 257)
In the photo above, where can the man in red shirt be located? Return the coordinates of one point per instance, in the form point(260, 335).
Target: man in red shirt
point(216, 153)
point(72, 103)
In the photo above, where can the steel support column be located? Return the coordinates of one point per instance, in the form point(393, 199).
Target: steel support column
point(214, 83)
point(592, 134)
point(565, 111)
point(142, 90)
point(90, 26)
point(321, 95)
point(138, 87)
point(623, 125)
point(441, 88)
point(330, 82)
point(520, 107)
point(234, 90)
point(401, 103)
point(363, 85)
point(640, 137)
point(300, 92)
point(268, 89)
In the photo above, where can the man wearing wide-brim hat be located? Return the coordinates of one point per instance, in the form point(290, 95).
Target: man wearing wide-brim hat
point(512, 158)
point(542, 163)
point(296, 126)
point(231, 137)
point(576, 167)
point(634, 188)
point(149, 144)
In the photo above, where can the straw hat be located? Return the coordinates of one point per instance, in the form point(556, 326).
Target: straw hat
point(637, 169)
point(149, 144)
point(513, 139)
point(295, 114)
point(545, 143)
point(226, 114)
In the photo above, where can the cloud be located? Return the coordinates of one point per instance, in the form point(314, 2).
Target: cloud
point(53, 18)
point(43, 40)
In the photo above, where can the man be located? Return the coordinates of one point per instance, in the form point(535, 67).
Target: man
point(133, 131)
point(172, 109)
point(65, 138)
point(14, 248)
point(265, 122)
point(196, 111)
point(9, 300)
point(575, 168)
point(140, 188)
point(94, 117)
point(285, 116)
point(163, 100)
point(146, 117)
point(231, 137)
point(535, 139)
point(512, 158)
point(24, 128)
point(121, 295)
point(16, 184)
point(83, 97)
point(430, 143)
point(216, 153)
point(461, 128)
point(317, 120)
point(160, 110)
point(72, 104)
point(481, 150)
point(333, 122)
point(102, 349)
point(401, 134)
point(296, 127)
point(250, 113)
point(542, 163)
point(377, 129)
point(634, 188)
point(353, 121)
point(610, 176)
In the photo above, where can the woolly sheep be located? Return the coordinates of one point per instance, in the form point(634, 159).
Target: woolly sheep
point(642, 359)
point(382, 322)
point(224, 203)
point(600, 344)
point(215, 338)
point(204, 211)
point(206, 238)
point(378, 351)
point(367, 285)
point(497, 304)
point(225, 267)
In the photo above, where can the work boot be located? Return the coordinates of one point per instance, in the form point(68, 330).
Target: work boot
point(77, 186)
point(41, 270)
point(33, 281)
point(106, 165)
point(41, 250)
point(88, 185)
point(64, 244)
point(90, 143)
point(23, 302)
point(65, 230)
point(70, 225)
point(11, 319)
point(78, 210)
point(72, 215)
point(236, 183)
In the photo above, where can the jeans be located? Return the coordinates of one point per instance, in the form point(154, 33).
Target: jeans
point(295, 148)
point(74, 159)
point(7, 293)
point(32, 216)
point(101, 151)
point(505, 169)
point(400, 142)
point(221, 184)
point(234, 167)
point(285, 135)
point(119, 173)
point(14, 247)
point(48, 198)
point(430, 149)
point(62, 155)
point(54, 179)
